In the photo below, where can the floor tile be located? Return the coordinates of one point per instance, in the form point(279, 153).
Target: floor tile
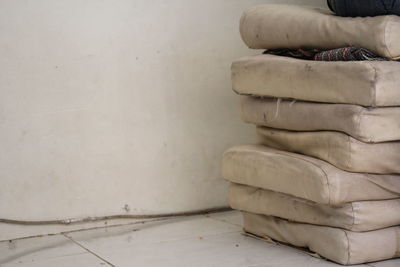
point(46, 251)
point(15, 231)
point(157, 231)
point(211, 240)
point(389, 263)
point(196, 241)
point(234, 217)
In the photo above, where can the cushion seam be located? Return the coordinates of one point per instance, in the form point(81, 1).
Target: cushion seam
point(374, 82)
point(359, 116)
point(349, 163)
point(385, 33)
point(348, 248)
point(318, 167)
point(354, 217)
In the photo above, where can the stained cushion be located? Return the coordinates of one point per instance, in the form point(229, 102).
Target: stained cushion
point(356, 216)
point(290, 26)
point(304, 177)
point(366, 83)
point(341, 246)
point(369, 125)
point(339, 149)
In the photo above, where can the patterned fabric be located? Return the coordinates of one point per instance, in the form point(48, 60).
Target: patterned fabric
point(347, 54)
point(340, 54)
point(296, 53)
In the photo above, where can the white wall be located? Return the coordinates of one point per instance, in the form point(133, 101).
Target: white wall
point(116, 106)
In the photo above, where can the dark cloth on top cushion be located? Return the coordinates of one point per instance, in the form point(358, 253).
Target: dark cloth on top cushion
point(364, 8)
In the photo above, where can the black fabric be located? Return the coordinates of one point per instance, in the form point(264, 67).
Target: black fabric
point(364, 8)
point(330, 5)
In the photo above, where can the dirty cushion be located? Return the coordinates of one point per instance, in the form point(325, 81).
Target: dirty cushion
point(369, 125)
point(304, 177)
point(290, 26)
point(366, 83)
point(341, 246)
point(356, 216)
point(339, 149)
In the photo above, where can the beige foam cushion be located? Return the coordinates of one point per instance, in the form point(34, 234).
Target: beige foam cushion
point(368, 125)
point(366, 83)
point(304, 177)
point(290, 26)
point(337, 148)
point(342, 246)
point(356, 216)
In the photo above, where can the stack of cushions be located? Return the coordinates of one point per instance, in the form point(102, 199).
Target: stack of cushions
point(325, 174)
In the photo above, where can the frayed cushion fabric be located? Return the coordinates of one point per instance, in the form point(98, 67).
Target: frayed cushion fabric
point(304, 177)
point(341, 246)
point(366, 83)
point(341, 150)
point(289, 26)
point(356, 216)
point(370, 125)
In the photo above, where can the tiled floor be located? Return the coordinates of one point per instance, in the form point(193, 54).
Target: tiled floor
point(213, 240)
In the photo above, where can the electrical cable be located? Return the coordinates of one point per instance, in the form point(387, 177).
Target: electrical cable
point(113, 217)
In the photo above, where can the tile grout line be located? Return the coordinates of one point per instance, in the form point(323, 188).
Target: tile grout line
point(91, 252)
point(220, 220)
point(83, 229)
